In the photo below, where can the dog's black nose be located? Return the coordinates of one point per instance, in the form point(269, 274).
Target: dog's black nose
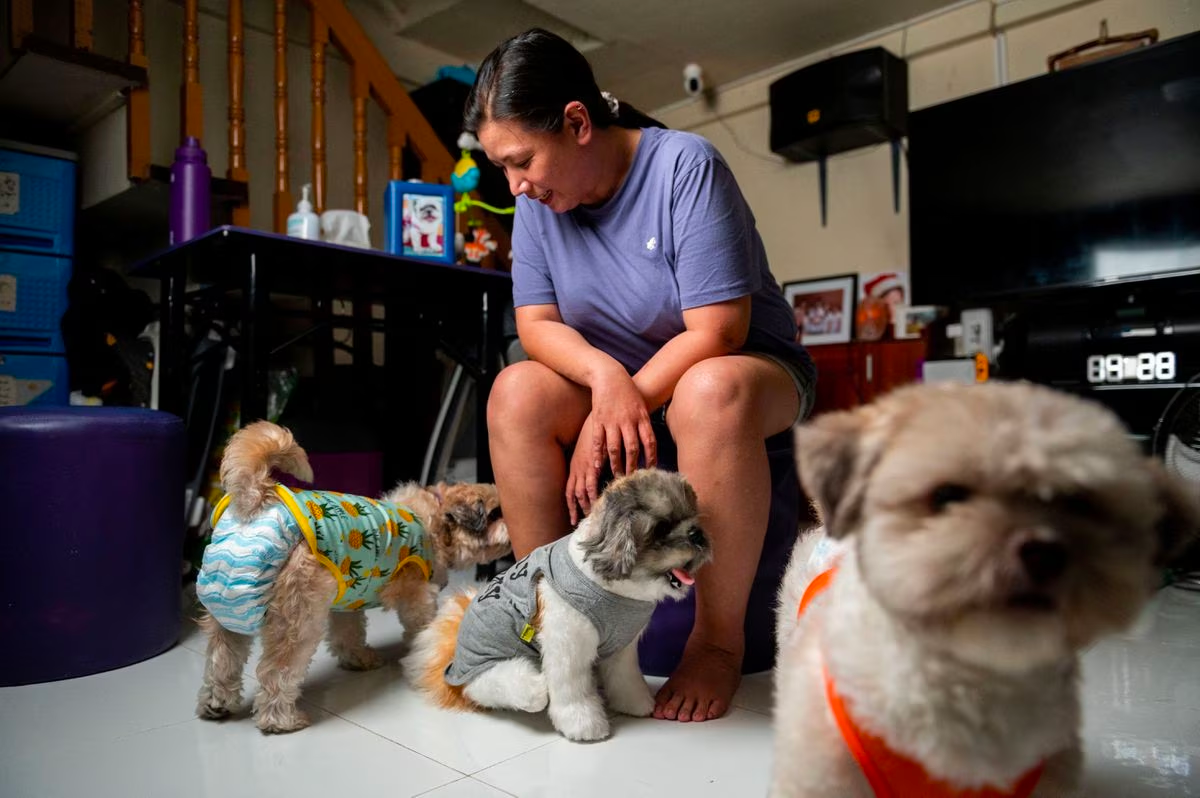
point(1044, 560)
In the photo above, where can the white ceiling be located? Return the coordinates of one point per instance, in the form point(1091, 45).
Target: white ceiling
point(638, 48)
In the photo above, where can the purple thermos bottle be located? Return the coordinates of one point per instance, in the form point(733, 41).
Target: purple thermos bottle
point(190, 191)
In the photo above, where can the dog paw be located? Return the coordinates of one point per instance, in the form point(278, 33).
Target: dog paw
point(282, 722)
point(637, 704)
point(582, 722)
point(210, 710)
point(211, 705)
point(360, 659)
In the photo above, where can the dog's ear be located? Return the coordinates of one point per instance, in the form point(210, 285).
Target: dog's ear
point(1179, 526)
point(612, 547)
point(830, 459)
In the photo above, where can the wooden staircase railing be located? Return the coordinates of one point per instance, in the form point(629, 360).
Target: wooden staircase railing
point(237, 109)
point(371, 78)
point(408, 132)
point(137, 111)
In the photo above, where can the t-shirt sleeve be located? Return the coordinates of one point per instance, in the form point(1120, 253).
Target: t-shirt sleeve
point(532, 284)
point(713, 234)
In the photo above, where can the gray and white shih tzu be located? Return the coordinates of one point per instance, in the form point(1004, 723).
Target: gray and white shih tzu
point(538, 635)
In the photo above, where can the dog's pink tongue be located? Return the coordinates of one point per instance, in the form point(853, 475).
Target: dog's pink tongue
point(683, 576)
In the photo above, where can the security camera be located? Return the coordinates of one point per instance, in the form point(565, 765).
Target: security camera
point(693, 80)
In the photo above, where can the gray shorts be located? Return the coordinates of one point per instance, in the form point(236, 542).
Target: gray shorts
point(806, 387)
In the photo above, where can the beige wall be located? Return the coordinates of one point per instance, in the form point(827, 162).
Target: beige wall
point(950, 54)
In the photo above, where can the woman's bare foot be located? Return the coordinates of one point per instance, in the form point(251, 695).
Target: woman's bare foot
point(702, 686)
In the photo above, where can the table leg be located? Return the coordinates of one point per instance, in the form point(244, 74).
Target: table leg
point(323, 338)
point(491, 342)
point(364, 343)
point(172, 350)
point(254, 355)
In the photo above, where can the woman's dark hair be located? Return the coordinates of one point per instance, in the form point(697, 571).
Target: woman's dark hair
point(530, 79)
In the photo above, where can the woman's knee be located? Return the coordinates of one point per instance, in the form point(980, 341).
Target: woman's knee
point(712, 392)
point(522, 393)
point(516, 392)
point(733, 396)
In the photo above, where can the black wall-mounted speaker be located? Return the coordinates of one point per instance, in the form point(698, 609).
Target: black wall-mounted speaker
point(841, 103)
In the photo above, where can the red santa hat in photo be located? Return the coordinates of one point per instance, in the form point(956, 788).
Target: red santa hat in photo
point(880, 284)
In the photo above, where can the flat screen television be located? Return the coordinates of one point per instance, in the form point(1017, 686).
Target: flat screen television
point(1084, 176)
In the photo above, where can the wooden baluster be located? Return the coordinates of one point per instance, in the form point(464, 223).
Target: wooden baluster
point(320, 38)
point(191, 99)
point(237, 109)
point(395, 148)
point(137, 112)
point(283, 197)
point(81, 24)
point(22, 22)
point(359, 91)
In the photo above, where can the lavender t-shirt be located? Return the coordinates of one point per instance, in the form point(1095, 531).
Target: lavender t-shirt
point(677, 235)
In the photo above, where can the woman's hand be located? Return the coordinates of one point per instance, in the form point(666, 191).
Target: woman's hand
point(621, 428)
point(583, 475)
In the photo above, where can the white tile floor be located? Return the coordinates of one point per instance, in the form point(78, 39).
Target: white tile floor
point(131, 732)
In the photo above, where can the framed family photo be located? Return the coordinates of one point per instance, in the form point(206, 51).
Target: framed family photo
point(420, 219)
point(824, 308)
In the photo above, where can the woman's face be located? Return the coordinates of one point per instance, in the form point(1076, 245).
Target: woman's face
point(542, 166)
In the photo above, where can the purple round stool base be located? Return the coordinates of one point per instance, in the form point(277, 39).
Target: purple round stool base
point(661, 647)
point(92, 540)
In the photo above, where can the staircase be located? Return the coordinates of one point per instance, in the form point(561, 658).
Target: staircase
point(64, 83)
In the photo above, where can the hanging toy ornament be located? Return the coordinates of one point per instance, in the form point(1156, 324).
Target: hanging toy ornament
point(465, 178)
point(466, 174)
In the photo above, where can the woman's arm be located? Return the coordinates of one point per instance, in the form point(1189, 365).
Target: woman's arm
point(710, 331)
point(619, 422)
point(551, 342)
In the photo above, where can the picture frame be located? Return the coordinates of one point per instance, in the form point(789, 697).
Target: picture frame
point(420, 221)
point(824, 308)
point(911, 321)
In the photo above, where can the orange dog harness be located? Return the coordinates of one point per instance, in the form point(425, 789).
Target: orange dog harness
point(892, 775)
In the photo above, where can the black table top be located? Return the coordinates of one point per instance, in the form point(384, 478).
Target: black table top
point(298, 266)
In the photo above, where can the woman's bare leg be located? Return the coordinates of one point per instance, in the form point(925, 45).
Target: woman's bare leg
point(720, 416)
point(533, 413)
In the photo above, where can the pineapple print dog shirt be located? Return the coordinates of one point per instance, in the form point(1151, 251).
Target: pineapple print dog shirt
point(363, 542)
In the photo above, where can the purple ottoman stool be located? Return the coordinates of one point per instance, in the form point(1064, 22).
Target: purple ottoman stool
point(662, 645)
point(92, 539)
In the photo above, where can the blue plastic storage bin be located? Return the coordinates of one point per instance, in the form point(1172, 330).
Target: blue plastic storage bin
point(33, 379)
point(33, 298)
point(37, 203)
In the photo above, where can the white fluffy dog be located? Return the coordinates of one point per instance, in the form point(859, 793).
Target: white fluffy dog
point(981, 536)
point(536, 635)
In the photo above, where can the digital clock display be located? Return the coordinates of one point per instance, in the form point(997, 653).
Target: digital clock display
point(1142, 367)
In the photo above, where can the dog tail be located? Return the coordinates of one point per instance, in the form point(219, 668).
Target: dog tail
point(249, 457)
point(433, 651)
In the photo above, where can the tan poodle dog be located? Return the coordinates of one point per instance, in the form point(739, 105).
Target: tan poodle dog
point(288, 565)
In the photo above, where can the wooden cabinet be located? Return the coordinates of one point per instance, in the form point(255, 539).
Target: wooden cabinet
point(855, 373)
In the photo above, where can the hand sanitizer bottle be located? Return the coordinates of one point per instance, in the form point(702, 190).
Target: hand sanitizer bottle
point(304, 223)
